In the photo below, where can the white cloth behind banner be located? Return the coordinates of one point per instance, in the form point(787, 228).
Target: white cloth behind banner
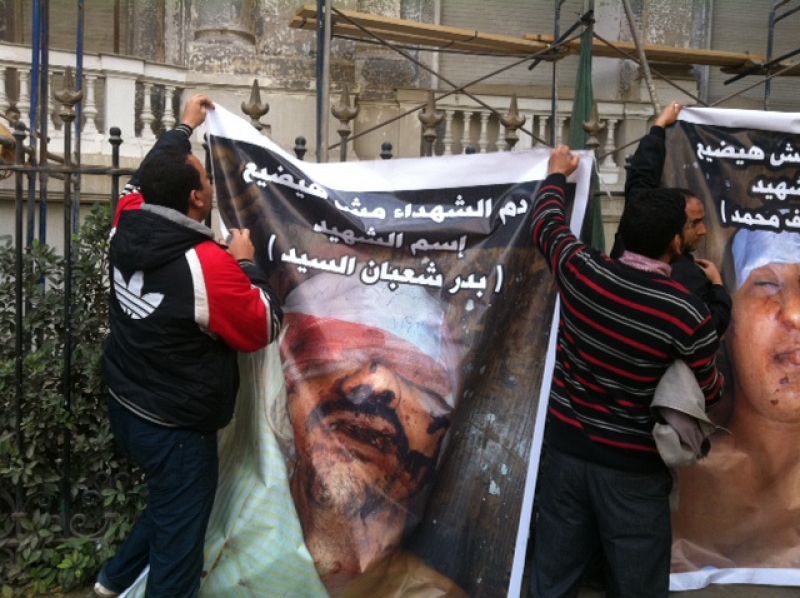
point(254, 543)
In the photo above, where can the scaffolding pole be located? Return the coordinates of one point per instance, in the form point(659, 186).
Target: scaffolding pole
point(76, 203)
point(774, 18)
point(536, 57)
point(642, 57)
point(323, 77)
point(554, 79)
point(456, 88)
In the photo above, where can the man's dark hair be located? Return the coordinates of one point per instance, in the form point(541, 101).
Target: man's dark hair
point(687, 194)
point(167, 178)
point(650, 222)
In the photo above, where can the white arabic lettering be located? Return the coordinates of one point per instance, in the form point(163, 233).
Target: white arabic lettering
point(262, 177)
point(346, 265)
point(729, 152)
point(350, 238)
point(780, 190)
point(790, 156)
point(438, 213)
point(371, 273)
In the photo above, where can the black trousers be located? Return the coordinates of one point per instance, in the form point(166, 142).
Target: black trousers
point(585, 509)
point(180, 467)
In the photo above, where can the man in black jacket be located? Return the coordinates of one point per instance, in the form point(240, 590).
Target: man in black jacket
point(182, 306)
point(700, 276)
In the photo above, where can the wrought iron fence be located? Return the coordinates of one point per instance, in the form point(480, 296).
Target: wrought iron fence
point(61, 478)
point(50, 417)
point(53, 422)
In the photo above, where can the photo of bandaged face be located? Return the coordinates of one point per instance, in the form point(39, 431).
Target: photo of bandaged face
point(765, 334)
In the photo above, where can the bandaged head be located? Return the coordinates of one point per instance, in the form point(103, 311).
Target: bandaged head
point(753, 249)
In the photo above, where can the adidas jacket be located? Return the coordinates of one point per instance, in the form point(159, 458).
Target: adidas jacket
point(181, 308)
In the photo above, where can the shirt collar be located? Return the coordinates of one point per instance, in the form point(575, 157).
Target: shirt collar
point(644, 263)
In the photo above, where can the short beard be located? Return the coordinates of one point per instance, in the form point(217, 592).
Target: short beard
point(342, 492)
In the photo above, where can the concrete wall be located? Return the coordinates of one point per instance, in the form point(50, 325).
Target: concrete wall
point(220, 47)
point(742, 25)
point(508, 17)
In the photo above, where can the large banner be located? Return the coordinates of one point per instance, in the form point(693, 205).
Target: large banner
point(381, 446)
point(739, 509)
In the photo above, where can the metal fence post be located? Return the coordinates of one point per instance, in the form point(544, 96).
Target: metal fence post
point(512, 121)
point(430, 118)
point(300, 148)
point(344, 113)
point(255, 108)
point(115, 139)
point(68, 97)
point(19, 322)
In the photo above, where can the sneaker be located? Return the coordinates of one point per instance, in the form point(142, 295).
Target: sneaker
point(103, 592)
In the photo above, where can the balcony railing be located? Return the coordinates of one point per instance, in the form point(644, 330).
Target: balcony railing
point(139, 97)
point(144, 98)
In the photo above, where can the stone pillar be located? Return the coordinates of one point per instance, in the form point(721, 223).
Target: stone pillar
point(89, 106)
point(448, 132)
point(147, 115)
point(24, 95)
point(608, 148)
point(231, 20)
point(120, 92)
point(146, 29)
point(483, 137)
point(559, 125)
point(379, 70)
point(168, 119)
point(525, 140)
point(541, 120)
point(223, 36)
point(3, 95)
point(610, 174)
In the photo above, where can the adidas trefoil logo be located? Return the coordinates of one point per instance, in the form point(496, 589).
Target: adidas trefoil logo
point(130, 297)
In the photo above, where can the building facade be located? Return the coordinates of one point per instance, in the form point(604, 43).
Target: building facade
point(142, 58)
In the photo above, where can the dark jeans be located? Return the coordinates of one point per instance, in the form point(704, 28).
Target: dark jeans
point(585, 509)
point(180, 468)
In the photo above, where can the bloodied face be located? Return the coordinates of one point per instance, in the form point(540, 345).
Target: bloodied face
point(365, 435)
point(765, 341)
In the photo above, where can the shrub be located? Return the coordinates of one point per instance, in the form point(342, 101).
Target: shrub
point(57, 529)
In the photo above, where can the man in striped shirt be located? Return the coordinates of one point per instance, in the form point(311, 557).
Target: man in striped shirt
point(622, 323)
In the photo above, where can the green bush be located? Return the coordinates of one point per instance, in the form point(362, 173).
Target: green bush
point(40, 551)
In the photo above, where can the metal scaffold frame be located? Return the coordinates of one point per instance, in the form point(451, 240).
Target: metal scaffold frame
point(411, 35)
point(774, 19)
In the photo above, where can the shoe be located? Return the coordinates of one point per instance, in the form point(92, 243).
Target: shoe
point(103, 592)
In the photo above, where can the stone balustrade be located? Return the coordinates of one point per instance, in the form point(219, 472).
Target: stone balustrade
point(143, 98)
point(468, 124)
point(139, 97)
